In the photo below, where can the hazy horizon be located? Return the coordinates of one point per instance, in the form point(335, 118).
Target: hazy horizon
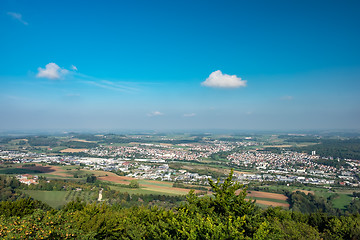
point(254, 132)
point(179, 65)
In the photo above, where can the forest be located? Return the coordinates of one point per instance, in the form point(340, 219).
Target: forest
point(334, 148)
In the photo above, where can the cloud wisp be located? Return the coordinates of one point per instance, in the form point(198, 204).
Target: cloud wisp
point(189, 115)
point(105, 84)
point(51, 71)
point(54, 72)
point(287, 98)
point(18, 17)
point(219, 80)
point(155, 113)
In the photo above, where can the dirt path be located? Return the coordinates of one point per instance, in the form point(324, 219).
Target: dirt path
point(100, 195)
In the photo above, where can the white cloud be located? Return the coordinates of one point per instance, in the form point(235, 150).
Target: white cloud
point(189, 115)
point(51, 71)
point(219, 80)
point(73, 67)
point(287, 98)
point(18, 17)
point(155, 113)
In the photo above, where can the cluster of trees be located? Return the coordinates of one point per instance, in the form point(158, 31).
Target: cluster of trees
point(332, 163)
point(12, 170)
point(43, 141)
point(91, 179)
point(220, 156)
point(226, 215)
point(56, 185)
point(8, 189)
point(133, 184)
point(124, 199)
point(309, 203)
point(181, 185)
point(77, 144)
point(356, 194)
point(4, 140)
point(299, 139)
point(335, 148)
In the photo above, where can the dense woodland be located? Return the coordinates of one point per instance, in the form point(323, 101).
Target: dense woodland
point(225, 215)
point(335, 148)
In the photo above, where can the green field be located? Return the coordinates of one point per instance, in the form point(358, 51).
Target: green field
point(268, 199)
point(341, 201)
point(157, 183)
point(141, 191)
point(56, 199)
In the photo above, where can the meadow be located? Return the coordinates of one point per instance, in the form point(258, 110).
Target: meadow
point(57, 199)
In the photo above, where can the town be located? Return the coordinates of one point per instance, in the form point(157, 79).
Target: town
point(156, 161)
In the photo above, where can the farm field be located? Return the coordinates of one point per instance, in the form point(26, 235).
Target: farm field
point(73, 150)
point(150, 187)
point(258, 194)
point(269, 199)
point(272, 203)
point(54, 170)
point(112, 177)
point(165, 189)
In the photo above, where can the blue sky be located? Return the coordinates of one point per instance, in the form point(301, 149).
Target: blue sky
point(169, 65)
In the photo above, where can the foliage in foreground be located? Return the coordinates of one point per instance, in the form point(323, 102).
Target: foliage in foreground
point(226, 215)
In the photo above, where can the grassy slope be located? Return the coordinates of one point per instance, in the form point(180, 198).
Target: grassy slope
point(342, 201)
point(56, 199)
